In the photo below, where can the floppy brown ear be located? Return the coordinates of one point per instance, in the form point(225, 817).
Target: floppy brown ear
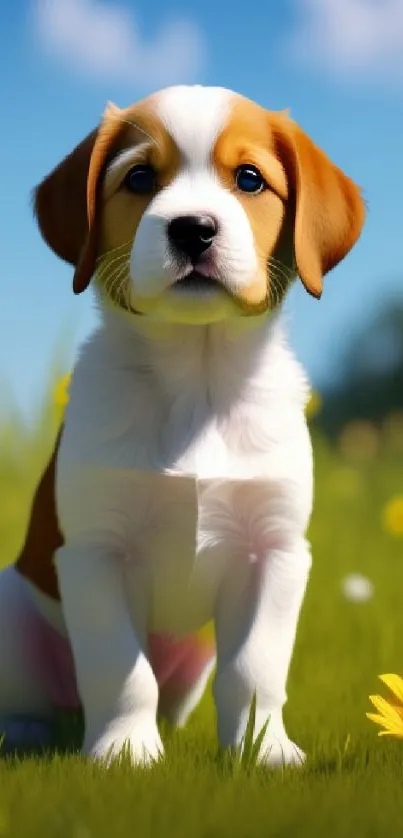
point(329, 209)
point(66, 203)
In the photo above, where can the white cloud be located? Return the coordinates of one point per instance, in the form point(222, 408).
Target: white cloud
point(102, 40)
point(356, 38)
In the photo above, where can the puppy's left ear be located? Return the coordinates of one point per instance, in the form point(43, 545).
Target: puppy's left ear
point(66, 203)
point(329, 209)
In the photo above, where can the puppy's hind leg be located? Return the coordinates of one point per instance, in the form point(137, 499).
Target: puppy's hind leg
point(25, 710)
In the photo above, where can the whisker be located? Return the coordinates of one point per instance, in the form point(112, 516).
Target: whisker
point(279, 282)
point(113, 280)
point(134, 125)
point(278, 292)
point(273, 292)
point(275, 261)
point(126, 244)
point(281, 270)
point(280, 276)
point(108, 265)
point(119, 290)
point(123, 293)
point(109, 272)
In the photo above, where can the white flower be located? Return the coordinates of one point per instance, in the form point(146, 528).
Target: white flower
point(357, 588)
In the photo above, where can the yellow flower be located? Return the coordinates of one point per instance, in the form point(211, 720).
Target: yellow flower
point(390, 712)
point(61, 391)
point(314, 405)
point(393, 515)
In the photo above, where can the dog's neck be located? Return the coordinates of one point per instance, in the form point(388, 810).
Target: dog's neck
point(217, 359)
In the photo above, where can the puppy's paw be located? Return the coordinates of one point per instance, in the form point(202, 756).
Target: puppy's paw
point(277, 751)
point(140, 743)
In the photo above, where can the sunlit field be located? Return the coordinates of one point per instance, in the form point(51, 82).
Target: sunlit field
point(351, 631)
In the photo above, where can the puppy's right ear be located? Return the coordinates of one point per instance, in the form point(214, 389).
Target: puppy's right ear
point(67, 205)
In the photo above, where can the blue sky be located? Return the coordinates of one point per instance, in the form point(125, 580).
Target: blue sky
point(338, 64)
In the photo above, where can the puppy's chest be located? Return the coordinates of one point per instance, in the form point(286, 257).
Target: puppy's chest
point(180, 492)
point(198, 502)
point(179, 475)
point(189, 437)
point(188, 458)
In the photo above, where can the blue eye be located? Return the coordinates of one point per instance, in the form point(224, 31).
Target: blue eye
point(249, 179)
point(140, 179)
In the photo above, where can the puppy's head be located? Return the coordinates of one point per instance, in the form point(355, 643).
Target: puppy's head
point(197, 204)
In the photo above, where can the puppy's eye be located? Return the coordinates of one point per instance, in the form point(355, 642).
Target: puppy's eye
point(140, 180)
point(249, 179)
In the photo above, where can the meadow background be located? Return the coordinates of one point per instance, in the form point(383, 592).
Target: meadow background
point(339, 65)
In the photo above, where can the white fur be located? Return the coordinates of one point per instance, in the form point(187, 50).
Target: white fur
point(194, 117)
point(197, 493)
point(184, 480)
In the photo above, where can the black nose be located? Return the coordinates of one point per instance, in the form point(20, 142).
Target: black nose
point(192, 234)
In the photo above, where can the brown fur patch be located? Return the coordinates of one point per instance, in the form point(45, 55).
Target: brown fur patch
point(69, 204)
point(329, 211)
point(120, 210)
point(247, 139)
point(43, 538)
point(311, 215)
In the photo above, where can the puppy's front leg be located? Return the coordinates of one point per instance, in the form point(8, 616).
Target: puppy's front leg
point(256, 623)
point(116, 683)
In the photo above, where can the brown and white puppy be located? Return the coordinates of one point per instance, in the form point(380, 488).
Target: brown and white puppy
point(180, 488)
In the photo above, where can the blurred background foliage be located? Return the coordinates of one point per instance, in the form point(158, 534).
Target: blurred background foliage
point(370, 389)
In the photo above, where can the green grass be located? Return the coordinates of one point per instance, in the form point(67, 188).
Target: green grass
point(352, 783)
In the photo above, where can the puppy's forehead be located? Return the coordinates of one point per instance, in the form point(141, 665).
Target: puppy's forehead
point(194, 117)
point(197, 123)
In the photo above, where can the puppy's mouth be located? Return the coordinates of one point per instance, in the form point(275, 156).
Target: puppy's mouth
point(197, 283)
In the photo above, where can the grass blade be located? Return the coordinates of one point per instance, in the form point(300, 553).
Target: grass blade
point(248, 737)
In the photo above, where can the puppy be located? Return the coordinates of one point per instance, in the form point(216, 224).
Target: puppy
point(180, 487)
